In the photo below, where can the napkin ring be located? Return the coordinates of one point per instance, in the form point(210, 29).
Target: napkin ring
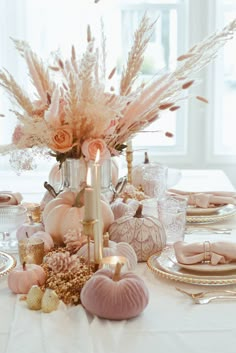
point(207, 251)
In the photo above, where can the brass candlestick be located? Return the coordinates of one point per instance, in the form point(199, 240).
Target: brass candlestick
point(129, 160)
point(88, 227)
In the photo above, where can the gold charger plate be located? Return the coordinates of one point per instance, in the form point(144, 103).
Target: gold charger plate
point(165, 265)
point(8, 262)
point(219, 214)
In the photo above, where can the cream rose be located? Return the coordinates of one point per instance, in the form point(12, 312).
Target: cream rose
point(62, 139)
point(89, 149)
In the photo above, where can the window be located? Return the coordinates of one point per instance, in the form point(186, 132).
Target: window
point(180, 24)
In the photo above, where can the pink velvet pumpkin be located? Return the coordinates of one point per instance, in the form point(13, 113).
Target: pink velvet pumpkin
point(145, 234)
point(115, 296)
point(66, 212)
point(22, 278)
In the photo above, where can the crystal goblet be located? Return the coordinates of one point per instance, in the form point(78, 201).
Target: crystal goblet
point(11, 218)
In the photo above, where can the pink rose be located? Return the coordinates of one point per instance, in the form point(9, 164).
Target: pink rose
point(89, 149)
point(62, 139)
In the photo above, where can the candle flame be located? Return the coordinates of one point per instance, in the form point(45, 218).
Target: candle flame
point(97, 159)
point(89, 177)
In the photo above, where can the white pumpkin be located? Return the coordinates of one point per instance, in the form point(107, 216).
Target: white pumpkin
point(112, 249)
point(66, 212)
point(145, 234)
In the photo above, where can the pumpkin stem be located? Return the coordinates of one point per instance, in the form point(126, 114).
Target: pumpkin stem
point(50, 189)
point(116, 275)
point(138, 213)
point(146, 158)
point(24, 266)
point(78, 200)
point(27, 235)
point(106, 240)
point(31, 221)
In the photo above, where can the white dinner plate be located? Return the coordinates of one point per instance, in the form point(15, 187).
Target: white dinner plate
point(208, 267)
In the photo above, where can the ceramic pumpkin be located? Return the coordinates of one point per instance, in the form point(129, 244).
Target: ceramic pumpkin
point(22, 278)
point(145, 234)
point(114, 296)
point(112, 248)
point(66, 211)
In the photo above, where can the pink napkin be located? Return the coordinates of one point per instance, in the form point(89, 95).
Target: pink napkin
point(215, 253)
point(207, 199)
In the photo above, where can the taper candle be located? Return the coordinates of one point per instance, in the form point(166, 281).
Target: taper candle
point(98, 236)
point(89, 199)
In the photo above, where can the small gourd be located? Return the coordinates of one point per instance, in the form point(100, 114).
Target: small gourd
point(111, 248)
point(115, 295)
point(145, 234)
point(22, 278)
point(50, 301)
point(34, 298)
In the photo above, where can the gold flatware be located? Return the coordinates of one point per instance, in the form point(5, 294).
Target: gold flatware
point(207, 300)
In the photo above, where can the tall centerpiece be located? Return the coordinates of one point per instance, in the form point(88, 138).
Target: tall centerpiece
point(72, 113)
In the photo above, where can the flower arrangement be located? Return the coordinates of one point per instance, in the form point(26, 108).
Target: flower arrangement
point(72, 113)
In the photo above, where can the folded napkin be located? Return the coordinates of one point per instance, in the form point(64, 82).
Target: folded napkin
point(215, 253)
point(207, 199)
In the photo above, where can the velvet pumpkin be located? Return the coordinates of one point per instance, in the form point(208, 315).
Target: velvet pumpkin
point(111, 249)
point(22, 278)
point(114, 296)
point(145, 234)
point(66, 211)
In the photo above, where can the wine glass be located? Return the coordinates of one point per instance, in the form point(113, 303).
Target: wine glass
point(11, 218)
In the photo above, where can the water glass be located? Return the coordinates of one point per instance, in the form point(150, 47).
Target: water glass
point(155, 180)
point(172, 215)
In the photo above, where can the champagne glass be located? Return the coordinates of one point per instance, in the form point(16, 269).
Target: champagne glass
point(11, 218)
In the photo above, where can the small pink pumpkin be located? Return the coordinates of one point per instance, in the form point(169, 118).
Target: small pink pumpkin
point(47, 239)
point(22, 278)
point(28, 229)
point(115, 296)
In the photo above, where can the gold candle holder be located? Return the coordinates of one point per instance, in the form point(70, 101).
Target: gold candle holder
point(34, 211)
point(31, 251)
point(129, 160)
point(88, 229)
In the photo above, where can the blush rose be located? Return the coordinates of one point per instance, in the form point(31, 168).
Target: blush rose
point(90, 147)
point(62, 139)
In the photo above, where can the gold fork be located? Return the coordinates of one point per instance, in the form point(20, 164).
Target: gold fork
point(202, 294)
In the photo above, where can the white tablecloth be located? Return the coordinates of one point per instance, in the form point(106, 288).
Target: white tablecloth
point(171, 323)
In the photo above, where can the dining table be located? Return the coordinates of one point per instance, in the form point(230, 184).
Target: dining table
point(171, 323)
